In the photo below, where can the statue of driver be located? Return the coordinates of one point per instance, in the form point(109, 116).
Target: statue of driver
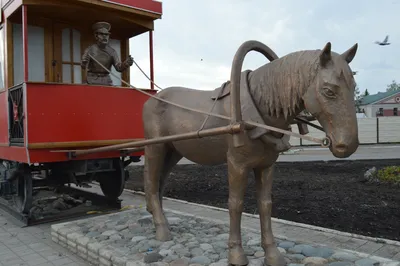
point(104, 54)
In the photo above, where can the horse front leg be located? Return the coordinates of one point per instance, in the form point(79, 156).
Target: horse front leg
point(237, 186)
point(264, 187)
point(153, 169)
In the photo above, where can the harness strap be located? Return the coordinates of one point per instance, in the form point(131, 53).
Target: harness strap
point(325, 142)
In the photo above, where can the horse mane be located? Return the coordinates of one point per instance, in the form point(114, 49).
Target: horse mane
point(277, 87)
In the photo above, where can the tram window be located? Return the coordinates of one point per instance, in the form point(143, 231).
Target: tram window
point(66, 73)
point(71, 68)
point(2, 59)
point(18, 69)
point(36, 54)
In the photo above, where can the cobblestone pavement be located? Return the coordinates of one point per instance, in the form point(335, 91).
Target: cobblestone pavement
point(295, 232)
point(30, 246)
point(282, 229)
point(33, 245)
point(128, 238)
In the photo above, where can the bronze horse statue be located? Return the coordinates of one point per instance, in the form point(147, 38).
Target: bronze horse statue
point(319, 81)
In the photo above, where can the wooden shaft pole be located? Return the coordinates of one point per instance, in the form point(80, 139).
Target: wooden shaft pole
point(231, 129)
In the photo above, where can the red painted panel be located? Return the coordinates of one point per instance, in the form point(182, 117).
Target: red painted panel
point(148, 5)
point(3, 118)
point(65, 112)
point(18, 154)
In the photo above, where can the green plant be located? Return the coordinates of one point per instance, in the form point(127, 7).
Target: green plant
point(390, 174)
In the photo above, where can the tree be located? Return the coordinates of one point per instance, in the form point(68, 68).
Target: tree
point(357, 99)
point(394, 86)
point(366, 93)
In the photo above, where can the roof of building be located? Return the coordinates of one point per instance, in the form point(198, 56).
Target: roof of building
point(372, 98)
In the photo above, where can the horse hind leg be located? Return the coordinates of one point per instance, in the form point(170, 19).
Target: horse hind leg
point(264, 186)
point(153, 168)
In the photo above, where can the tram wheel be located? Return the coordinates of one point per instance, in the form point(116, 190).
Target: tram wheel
point(112, 184)
point(23, 198)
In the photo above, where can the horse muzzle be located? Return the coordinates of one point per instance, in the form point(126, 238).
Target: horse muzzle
point(343, 147)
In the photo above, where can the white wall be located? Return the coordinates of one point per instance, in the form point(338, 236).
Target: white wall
point(370, 110)
point(388, 127)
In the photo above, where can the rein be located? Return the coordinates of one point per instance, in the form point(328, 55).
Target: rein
point(324, 142)
point(301, 120)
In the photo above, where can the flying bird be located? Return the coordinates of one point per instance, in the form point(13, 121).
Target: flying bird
point(385, 41)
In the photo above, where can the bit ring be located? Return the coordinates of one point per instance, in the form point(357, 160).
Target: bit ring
point(326, 142)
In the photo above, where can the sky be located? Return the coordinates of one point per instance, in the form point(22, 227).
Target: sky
point(195, 41)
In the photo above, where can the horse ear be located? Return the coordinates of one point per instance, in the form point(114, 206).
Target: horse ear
point(325, 55)
point(349, 54)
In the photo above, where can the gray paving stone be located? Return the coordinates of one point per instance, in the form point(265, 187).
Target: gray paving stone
point(17, 261)
point(28, 239)
point(352, 243)
point(8, 256)
point(23, 251)
point(45, 264)
point(38, 246)
point(62, 261)
point(37, 262)
point(4, 250)
point(337, 239)
point(32, 246)
point(33, 230)
point(397, 256)
point(387, 251)
point(53, 256)
point(11, 241)
point(369, 247)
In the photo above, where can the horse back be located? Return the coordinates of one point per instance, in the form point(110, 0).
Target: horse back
point(176, 120)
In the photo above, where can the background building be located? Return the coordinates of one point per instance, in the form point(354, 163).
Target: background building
point(381, 104)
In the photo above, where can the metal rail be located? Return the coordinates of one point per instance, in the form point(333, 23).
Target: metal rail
point(99, 203)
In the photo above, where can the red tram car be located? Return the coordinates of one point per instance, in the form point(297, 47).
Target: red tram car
point(48, 107)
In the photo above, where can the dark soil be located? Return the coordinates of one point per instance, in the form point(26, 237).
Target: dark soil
point(328, 194)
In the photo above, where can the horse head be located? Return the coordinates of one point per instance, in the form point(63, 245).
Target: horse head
point(330, 98)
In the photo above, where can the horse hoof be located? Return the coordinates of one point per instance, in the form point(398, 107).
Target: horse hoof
point(275, 261)
point(163, 234)
point(237, 259)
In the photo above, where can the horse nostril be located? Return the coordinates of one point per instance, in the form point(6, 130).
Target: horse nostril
point(341, 146)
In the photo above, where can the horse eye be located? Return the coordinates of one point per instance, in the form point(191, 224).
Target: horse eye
point(328, 92)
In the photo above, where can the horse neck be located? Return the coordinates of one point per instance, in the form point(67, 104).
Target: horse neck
point(277, 87)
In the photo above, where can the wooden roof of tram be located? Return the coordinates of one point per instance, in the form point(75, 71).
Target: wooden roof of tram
point(125, 21)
